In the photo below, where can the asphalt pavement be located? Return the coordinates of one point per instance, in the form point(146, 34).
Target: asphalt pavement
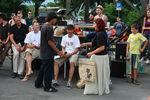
point(14, 89)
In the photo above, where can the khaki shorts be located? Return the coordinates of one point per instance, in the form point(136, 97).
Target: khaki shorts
point(34, 52)
point(72, 59)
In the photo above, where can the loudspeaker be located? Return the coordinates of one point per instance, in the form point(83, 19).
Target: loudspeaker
point(120, 51)
point(118, 68)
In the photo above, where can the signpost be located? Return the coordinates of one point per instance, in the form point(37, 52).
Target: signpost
point(118, 7)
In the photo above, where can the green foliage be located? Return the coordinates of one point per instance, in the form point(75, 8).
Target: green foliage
point(31, 8)
point(128, 15)
point(110, 11)
point(11, 6)
point(131, 17)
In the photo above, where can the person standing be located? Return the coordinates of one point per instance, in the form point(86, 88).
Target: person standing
point(99, 12)
point(133, 51)
point(17, 35)
point(99, 54)
point(4, 37)
point(119, 26)
point(29, 19)
point(47, 54)
point(146, 33)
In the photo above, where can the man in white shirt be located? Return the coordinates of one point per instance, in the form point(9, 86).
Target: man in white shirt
point(32, 42)
point(70, 46)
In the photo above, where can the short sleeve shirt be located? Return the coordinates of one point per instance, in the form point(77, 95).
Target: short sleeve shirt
point(100, 40)
point(119, 27)
point(4, 30)
point(70, 44)
point(135, 41)
point(19, 33)
point(29, 21)
point(33, 38)
point(47, 32)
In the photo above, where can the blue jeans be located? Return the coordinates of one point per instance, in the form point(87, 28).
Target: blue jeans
point(146, 52)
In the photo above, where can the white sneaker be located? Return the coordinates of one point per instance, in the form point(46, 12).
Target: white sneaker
point(147, 61)
point(55, 83)
point(142, 59)
point(69, 85)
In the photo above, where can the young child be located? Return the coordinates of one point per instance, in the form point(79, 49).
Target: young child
point(133, 51)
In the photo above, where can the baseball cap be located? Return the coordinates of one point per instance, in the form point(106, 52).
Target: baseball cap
point(50, 16)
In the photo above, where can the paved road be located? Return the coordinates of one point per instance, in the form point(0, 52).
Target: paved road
point(14, 89)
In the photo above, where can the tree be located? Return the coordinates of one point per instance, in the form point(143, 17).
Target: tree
point(37, 4)
point(52, 4)
point(11, 6)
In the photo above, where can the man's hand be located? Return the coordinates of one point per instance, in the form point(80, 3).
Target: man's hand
point(31, 46)
point(67, 55)
point(60, 53)
point(83, 45)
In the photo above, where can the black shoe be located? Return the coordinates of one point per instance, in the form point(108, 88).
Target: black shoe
point(136, 82)
point(14, 75)
point(52, 89)
point(38, 86)
point(1, 63)
point(20, 76)
point(129, 80)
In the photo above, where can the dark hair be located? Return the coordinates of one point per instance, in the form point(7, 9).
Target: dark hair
point(135, 26)
point(50, 16)
point(100, 24)
point(70, 27)
point(3, 16)
point(91, 14)
point(146, 15)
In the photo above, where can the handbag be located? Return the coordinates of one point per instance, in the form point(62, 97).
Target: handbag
point(87, 70)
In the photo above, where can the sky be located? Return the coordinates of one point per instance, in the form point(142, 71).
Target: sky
point(46, 1)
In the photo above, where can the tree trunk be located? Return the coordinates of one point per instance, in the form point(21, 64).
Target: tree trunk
point(68, 3)
point(144, 5)
point(87, 5)
point(36, 13)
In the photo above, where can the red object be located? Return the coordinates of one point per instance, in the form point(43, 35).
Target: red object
point(126, 37)
point(77, 29)
point(113, 32)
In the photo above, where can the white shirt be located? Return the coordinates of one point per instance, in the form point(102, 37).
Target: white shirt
point(33, 38)
point(70, 44)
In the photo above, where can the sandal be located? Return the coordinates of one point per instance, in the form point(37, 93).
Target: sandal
point(26, 78)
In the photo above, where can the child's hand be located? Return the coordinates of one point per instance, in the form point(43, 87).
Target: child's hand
point(141, 50)
point(127, 53)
